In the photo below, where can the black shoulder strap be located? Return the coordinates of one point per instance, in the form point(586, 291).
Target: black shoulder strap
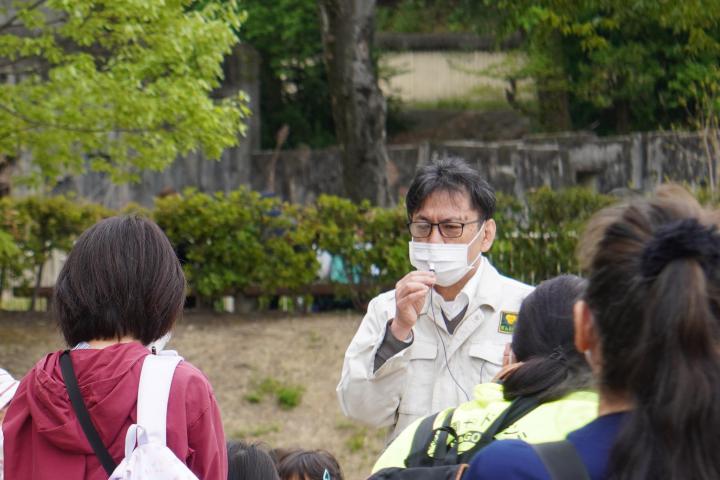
point(562, 460)
point(82, 413)
point(422, 439)
point(441, 455)
point(519, 407)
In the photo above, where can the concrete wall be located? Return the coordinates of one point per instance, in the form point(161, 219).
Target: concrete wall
point(638, 162)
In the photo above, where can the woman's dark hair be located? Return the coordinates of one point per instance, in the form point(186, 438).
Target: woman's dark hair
point(544, 341)
point(654, 293)
point(250, 462)
point(121, 278)
point(451, 175)
point(307, 465)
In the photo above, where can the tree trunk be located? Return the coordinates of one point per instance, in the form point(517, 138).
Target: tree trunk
point(622, 116)
point(358, 105)
point(6, 169)
point(553, 100)
point(553, 107)
point(33, 301)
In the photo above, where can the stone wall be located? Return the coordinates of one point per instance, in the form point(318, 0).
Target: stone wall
point(638, 162)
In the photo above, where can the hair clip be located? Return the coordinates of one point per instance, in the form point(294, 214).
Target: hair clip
point(326, 475)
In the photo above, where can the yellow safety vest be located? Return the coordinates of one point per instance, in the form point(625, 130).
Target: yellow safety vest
point(549, 422)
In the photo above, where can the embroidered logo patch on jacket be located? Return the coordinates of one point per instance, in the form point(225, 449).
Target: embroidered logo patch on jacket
point(507, 322)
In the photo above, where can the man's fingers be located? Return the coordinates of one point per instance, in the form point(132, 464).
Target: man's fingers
point(410, 288)
point(410, 293)
point(427, 278)
point(413, 297)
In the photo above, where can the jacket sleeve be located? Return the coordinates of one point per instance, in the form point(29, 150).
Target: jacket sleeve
point(371, 396)
point(206, 440)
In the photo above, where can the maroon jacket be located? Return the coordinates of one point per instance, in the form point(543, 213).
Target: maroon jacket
point(43, 439)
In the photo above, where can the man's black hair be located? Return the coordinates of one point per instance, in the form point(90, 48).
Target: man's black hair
point(453, 175)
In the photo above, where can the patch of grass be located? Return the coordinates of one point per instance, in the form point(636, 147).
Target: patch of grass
point(357, 435)
point(22, 304)
point(258, 431)
point(269, 386)
point(345, 425)
point(356, 442)
point(253, 397)
point(288, 396)
point(483, 98)
point(315, 340)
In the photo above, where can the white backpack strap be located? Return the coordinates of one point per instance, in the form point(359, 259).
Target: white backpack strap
point(153, 394)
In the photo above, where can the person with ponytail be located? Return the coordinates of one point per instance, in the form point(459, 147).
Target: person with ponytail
point(649, 324)
point(548, 370)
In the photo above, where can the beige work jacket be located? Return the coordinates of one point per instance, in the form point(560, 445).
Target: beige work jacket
point(417, 381)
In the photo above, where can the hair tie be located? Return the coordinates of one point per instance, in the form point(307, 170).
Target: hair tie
point(680, 239)
point(558, 354)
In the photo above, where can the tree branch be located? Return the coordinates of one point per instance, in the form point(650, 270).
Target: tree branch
point(9, 22)
point(68, 128)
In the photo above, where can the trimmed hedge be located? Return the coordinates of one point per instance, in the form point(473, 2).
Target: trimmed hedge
point(229, 243)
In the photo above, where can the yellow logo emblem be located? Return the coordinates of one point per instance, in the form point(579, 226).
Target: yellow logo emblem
point(507, 322)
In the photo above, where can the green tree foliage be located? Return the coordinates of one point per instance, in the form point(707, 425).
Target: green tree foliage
point(12, 260)
point(51, 223)
point(618, 65)
point(436, 16)
point(293, 84)
point(125, 84)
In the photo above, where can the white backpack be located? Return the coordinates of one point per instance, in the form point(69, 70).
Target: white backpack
point(146, 453)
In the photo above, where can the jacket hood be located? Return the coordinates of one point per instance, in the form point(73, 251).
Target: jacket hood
point(104, 377)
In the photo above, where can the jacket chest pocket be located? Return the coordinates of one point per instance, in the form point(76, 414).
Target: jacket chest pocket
point(486, 360)
point(417, 396)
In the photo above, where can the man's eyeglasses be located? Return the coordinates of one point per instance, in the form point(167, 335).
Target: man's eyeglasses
point(447, 229)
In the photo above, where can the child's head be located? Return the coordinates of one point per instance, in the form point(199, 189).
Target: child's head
point(250, 462)
point(544, 342)
point(308, 465)
point(121, 279)
point(650, 321)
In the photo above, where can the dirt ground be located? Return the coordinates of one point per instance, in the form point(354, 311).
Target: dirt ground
point(240, 356)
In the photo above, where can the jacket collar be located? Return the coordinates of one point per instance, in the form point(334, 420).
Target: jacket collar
point(483, 288)
point(487, 288)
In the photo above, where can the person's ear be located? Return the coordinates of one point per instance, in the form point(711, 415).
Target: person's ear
point(586, 337)
point(488, 236)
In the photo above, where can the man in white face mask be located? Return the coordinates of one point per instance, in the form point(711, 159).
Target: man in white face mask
point(422, 347)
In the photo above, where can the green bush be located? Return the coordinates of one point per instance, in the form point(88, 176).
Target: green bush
point(229, 243)
point(538, 240)
point(368, 245)
point(45, 224)
point(13, 261)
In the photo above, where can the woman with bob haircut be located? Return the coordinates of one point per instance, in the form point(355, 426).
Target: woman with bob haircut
point(650, 326)
point(116, 299)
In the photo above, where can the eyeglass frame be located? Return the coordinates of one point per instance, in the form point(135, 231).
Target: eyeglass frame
point(438, 225)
